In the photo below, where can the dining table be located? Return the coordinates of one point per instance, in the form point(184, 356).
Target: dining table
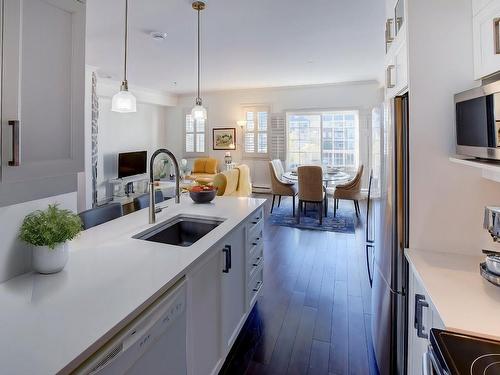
point(337, 177)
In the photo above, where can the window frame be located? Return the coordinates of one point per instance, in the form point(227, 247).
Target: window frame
point(321, 113)
point(256, 109)
point(194, 154)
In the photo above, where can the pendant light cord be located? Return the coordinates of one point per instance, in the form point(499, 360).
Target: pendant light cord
point(199, 97)
point(126, 42)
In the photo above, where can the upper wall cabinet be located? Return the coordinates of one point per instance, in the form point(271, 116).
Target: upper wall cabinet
point(396, 61)
point(42, 96)
point(486, 29)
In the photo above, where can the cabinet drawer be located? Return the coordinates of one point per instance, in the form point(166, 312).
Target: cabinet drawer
point(255, 260)
point(255, 238)
point(255, 221)
point(255, 234)
point(255, 285)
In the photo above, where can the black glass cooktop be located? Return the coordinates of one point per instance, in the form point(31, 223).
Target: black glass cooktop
point(463, 354)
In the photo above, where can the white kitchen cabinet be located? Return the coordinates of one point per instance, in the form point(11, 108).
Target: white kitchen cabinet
point(422, 316)
point(397, 69)
point(233, 287)
point(486, 34)
point(42, 98)
point(478, 5)
point(222, 291)
point(204, 355)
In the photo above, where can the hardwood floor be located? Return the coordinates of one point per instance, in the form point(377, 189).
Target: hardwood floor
point(314, 314)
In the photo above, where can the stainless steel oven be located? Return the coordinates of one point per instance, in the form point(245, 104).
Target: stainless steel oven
point(478, 122)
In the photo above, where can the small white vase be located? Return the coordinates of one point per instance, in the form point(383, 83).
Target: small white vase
point(46, 260)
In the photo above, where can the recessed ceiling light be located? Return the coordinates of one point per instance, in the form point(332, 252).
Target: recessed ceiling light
point(158, 35)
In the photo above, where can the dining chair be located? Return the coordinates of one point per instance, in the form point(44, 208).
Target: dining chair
point(311, 190)
point(100, 215)
point(278, 186)
point(351, 190)
point(142, 201)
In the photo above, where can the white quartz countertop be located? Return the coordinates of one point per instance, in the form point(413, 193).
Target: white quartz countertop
point(465, 302)
point(51, 323)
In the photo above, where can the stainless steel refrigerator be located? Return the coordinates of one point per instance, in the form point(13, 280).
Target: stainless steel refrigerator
point(387, 236)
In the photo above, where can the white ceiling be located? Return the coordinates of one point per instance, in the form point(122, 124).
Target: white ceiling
point(245, 44)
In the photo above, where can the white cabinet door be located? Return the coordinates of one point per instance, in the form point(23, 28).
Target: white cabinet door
point(203, 307)
point(43, 75)
point(420, 321)
point(232, 286)
point(478, 5)
point(397, 70)
point(486, 31)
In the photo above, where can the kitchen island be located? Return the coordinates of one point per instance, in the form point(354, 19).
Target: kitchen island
point(53, 323)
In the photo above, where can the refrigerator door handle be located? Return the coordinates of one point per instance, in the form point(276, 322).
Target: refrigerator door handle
point(368, 206)
point(368, 268)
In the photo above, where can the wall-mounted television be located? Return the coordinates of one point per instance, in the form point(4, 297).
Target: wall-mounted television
point(132, 163)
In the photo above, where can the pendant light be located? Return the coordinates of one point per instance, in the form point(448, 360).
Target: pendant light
point(199, 112)
point(124, 101)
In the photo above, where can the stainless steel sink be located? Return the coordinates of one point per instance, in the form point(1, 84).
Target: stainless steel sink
point(182, 230)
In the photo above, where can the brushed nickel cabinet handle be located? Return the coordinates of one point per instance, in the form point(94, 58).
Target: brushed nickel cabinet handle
point(388, 31)
point(388, 77)
point(496, 37)
point(15, 162)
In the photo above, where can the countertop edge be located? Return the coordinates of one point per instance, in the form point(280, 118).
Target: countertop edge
point(410, 255)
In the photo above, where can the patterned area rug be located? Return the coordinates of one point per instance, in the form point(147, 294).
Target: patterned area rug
point(344, 222)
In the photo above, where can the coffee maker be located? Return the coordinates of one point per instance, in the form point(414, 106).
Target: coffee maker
point(492, 222)
point(490, 269)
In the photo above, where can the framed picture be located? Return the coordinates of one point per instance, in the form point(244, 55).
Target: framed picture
point(224, 139)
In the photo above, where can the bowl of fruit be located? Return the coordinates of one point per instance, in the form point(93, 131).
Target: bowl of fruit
point(202, 193)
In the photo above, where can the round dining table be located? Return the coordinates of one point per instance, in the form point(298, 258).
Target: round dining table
point(335, 177)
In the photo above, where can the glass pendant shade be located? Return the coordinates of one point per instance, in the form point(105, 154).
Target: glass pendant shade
point(124, 102)
point(199, 112)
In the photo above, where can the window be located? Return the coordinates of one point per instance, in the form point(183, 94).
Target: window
point(195, 135)
point(324, 138)
point(256, 131)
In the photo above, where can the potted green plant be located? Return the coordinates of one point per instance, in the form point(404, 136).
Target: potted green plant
point(49, 231)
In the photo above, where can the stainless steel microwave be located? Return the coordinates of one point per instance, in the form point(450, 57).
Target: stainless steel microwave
point(478, 122)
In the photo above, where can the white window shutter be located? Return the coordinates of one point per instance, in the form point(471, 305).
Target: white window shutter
point(277, 145)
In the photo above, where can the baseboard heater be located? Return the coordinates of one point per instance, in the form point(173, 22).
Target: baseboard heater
point(261, 189)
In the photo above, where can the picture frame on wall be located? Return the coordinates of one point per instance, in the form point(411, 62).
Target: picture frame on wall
point(224, 138)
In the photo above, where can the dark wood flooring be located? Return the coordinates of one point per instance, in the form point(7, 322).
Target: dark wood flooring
point(314, 314)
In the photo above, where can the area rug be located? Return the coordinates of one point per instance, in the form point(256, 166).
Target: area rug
point(344, 222)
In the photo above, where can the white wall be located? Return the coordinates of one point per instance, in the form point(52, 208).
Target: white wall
point(15, 256)
point(124, 132)
point(447, 200)
point(225, 109)
point(144, 130)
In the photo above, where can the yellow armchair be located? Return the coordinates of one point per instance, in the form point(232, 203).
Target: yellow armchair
point(204, 167)
point(235, 182)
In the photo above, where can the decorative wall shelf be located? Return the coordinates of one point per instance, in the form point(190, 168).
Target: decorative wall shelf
point(489, 169)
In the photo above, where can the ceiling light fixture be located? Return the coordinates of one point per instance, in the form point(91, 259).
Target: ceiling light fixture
point(124, 101)
point(199, 112)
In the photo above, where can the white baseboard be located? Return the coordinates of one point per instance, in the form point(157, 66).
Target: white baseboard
point(261, 189)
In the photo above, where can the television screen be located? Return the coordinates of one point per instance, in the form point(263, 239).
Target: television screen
point(132, 163)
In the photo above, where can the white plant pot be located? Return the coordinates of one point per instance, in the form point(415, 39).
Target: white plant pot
point(46, 260)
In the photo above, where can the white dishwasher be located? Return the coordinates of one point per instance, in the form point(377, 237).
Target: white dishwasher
point(154, 343)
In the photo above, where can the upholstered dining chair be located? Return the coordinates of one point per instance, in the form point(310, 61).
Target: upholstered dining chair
point(311, 189)
point(279, 187)
point(349, 191)
point(100, 215)
point(142, 201)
